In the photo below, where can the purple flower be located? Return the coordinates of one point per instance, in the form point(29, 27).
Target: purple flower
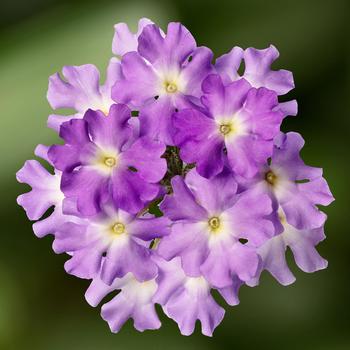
point(133, 301)
point(187, 299)
point(101, 159)
point(240, 121)
point(209, 220)
point(45, 193)
point(258, 72)
point(301, 242)
point(124, 40)
point(81, 91)
point(291, 184)
point(163, 76)
point(115, 234)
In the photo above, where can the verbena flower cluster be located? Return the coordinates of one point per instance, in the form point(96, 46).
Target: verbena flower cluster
point(174, 179)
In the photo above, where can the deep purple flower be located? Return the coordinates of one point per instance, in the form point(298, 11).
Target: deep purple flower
point(45, 193)
point(301, 242)
point(124, 40)
point(291, 184)
point(209, 220)
point(239, 120)
point(101, 158)
point(188, 299)
point(133, 301)
point(164, 75)
point(118, 236)
point(258, 72)
point(81, 91)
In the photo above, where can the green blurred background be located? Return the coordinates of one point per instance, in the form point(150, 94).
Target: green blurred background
point(41, 307)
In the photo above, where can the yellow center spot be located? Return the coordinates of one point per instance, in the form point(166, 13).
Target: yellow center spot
point(214, 223)
point(282, 218)
point(225, 128)
point(170, 87)
point(270, 177)
point(118, 228)
point(110, 162)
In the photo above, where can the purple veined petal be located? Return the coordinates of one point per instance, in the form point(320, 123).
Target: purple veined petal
point(73, 237)
point(139, 83)
point(45, 193)
point(286, 156)
point(230, 294)
point(247, 153)
point(113, 131)
point(54, 121)
point(156, 120)
point(228, 261)
point(259, 105)
point(77, 148)
point(210, 159)
point(222, 100)
point(145, 156)
point(289, 108)
point(134, 301)
point(216, 266)
point(274, 260)
point(186, 299)
point(124, 40)
point(191, 124)
point(170, 278)
point(195, 302)
point(131, 192)
point(258, 71)
point(52, 223)
point(197, 70)
point(80, 87)
point(113, 74)
point(228, 64)
point(301, 212)
point(45, 189)
point(150, 228)
point(248, 218)
point(84, 263)
point(98, 289)
point(216, 194)
point(298, 188)
point(302, 243)
point(127, 256)
point(181, 205)
point(174, 48)
point(80, 90)
point(199, 143)
point(88, 187)
point(186, 238)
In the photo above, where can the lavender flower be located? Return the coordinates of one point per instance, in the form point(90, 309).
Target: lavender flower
point(101, 158)
point(208, 222)
point(164, 75)
point(291, 184)
point(239, 120)
point(118, 236)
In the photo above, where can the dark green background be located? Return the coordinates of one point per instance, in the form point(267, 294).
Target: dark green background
point(43, 308)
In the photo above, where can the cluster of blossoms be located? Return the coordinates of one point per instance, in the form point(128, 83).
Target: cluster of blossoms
point(174, 178)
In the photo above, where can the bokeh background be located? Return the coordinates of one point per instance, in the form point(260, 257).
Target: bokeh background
point(43, 308)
